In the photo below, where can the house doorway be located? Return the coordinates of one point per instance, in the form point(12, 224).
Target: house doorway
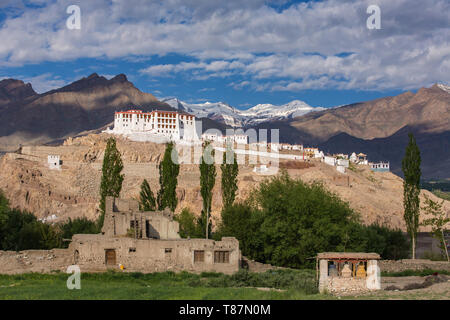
point(76, 256)
point(110, 257)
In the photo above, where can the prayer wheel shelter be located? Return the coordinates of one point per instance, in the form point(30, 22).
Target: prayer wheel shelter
point(348, 272)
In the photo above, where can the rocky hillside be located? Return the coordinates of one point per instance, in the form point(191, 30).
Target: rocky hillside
point(73, 191)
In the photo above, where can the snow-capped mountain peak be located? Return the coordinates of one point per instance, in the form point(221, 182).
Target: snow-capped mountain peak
point(229, 115)
point(444, 87)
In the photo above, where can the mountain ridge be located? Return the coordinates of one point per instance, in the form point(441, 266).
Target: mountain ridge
point(225, 113)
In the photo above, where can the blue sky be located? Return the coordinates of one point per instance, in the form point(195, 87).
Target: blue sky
point(242, 53)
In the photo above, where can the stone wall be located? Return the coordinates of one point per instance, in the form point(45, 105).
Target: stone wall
point(254, 266)
point(410, 264)
point(339, 285)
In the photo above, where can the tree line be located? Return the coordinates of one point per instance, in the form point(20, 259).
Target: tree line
point(169, 168)
point(21, 230)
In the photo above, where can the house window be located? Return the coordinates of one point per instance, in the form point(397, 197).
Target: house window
point(199, 256)
point(221, 256)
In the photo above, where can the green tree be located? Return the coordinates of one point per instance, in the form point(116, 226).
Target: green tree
point(4, 209)
point(230, 171)
point(111, 182)
point(411, 190)
point(243, 221)
point(76, 226)
point(22, 231)
point(390, 244)
point(188, 224)
point(147, 200)
point(168, 179)
point(300, 220)
point(286, 222)
point(201, 223)
point(207, 181)
point(437, 221)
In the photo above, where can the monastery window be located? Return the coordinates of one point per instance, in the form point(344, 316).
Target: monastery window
point(132, 250)
point(168, 250)
point(221, 257)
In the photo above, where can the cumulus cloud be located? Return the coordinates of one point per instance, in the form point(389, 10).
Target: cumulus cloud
point(296, 48)
point(45, 82)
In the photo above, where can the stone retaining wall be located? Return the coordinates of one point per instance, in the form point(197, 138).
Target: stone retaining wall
point(341, 286)
point(410, 264)
point(254, 266)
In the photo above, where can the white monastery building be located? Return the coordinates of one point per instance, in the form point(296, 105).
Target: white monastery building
point(156, 126)
point(54, 161)
point(237, 138)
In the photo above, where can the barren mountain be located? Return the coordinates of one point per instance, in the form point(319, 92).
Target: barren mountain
point(14, 90)
point(89, 103)
point(428, 109)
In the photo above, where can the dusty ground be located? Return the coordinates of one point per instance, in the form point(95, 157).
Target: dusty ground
point(73, 191)
point(438, 291)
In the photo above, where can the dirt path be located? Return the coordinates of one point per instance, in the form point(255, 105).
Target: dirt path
point(438, 291)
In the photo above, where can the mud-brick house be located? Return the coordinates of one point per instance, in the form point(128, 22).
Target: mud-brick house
point(149, 242)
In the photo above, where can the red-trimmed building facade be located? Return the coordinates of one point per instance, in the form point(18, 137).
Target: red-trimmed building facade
point(172, 124)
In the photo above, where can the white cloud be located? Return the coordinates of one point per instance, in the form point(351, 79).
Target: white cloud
point(248, 38)
point(45, 82)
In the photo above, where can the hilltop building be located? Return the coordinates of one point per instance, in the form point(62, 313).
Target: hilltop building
point(54, 161)
point(380, 167)
point(313, 153)
point(156, 126)
point(360, 158)
point(235, 138)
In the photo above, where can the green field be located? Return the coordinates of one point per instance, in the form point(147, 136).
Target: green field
point(167, 285)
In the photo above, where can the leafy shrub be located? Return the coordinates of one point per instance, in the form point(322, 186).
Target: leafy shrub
point(188, 224)
point(286, 222)
point(279, 279)
point(77, 226)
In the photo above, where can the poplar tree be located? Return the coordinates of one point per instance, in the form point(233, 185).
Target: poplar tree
point(230, 170)
point(147, 200)
point(207, 181)
point(168, 179)
point(437, 219)
point(411, 190)
point(111, 183)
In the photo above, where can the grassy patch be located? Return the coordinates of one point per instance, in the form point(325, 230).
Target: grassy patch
point(165, 285)
point(442, 194)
